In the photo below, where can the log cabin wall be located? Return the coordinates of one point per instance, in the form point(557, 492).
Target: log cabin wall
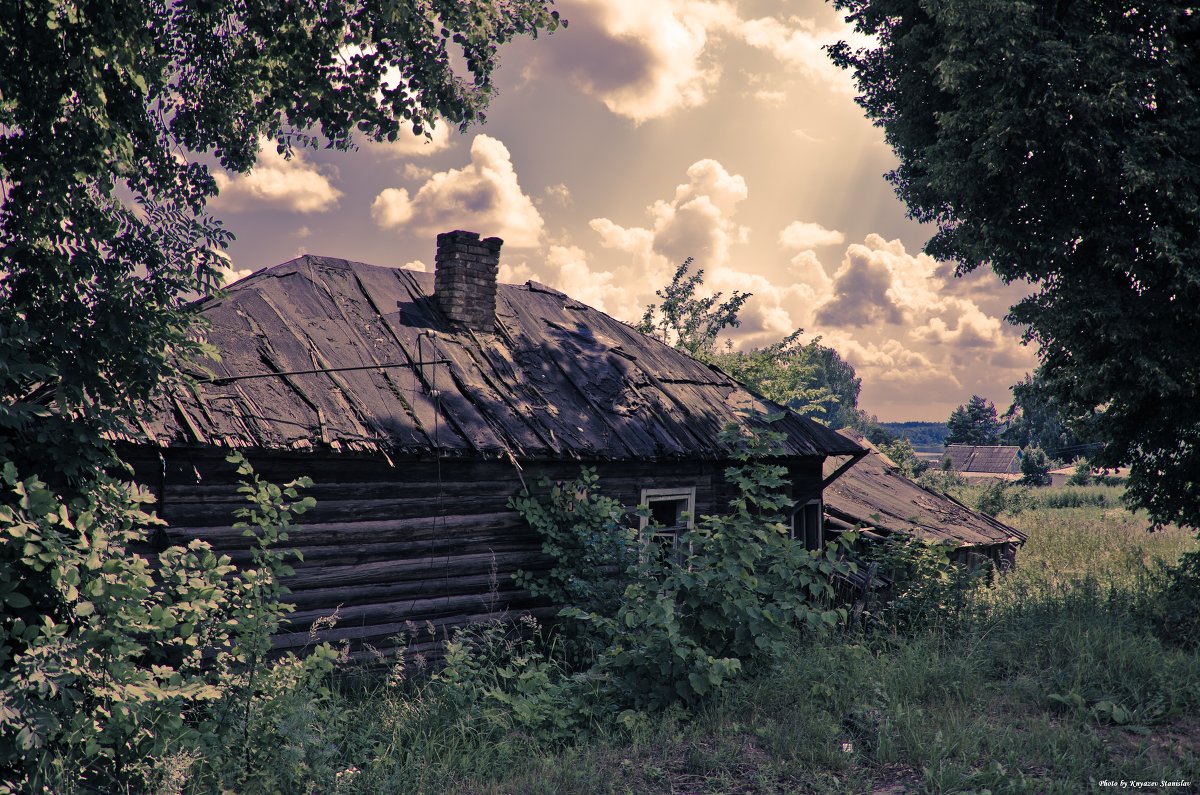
point(418, 546)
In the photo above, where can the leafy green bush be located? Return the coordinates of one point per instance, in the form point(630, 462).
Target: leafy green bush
point(1082, 476)
point(1001, 496)
point(944, 481)
point(1035, 467)
point(513, 680)
point(592, 547)
point(111, 664)
point(1175, 612)
point(926, 588)
point(904, 457)
point(683, 626)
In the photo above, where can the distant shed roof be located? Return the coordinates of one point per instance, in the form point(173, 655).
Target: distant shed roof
point(873, 494)
point(557, 380)
point(997, 459)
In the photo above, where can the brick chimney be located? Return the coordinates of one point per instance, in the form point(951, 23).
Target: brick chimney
point(464, 281)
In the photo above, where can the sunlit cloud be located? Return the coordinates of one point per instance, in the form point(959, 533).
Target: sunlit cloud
point(769, 97)
point(801, 235)
point(648, 59)
point(483, 196)
point(558, 195)
point(698, 221)
point(862, 290)
point(227, 271)
point(643, 60)
point(407, 145)
point(416, 173)
point(895, 318)
point(798, 45)
point(277, 183)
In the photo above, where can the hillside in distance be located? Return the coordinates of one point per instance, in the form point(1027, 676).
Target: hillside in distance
point(919, 433)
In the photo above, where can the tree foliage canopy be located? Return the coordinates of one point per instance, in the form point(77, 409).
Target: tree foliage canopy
point(1036, 419)
point(1058, 143)
point(974, 423)
point(789, 373)
point(807, 377)
point(108, 113)
point(686, 321)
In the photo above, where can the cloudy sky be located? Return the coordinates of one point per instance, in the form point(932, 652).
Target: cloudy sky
point(653, 130)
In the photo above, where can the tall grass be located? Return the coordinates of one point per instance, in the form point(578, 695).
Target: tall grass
point(1046, 682)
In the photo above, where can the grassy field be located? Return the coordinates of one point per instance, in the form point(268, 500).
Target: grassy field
point(1049, 681)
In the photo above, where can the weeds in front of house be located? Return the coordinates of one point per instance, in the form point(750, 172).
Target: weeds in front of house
point(1047, 679)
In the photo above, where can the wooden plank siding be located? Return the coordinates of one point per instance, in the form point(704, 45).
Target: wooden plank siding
point(394, 546)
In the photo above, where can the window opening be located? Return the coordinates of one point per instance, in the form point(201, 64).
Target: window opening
point(671, 512)
point(808, 524)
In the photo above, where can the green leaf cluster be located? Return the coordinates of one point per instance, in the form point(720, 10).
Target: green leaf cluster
point(1037, 419)
point(1057, 143)
point(687, 322)
point(802, 377)
point(974, 423)
point(112, 660)
point(512, 679)
point(924, 587)
point(1035, 467)
point(903, 455)
point(590, 541)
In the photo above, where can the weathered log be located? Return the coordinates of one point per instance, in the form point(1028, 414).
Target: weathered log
point(320, 534)
point(427, 568)
point(194, 513)
point(417, 609)
point(346, 595)
point(339, 555)
point(414, 635)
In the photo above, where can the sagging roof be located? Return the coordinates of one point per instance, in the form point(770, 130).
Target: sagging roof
point(998, 459)
point(874, 495)
point(558, 379)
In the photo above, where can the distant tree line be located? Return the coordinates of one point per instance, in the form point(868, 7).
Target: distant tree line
point(919, 433)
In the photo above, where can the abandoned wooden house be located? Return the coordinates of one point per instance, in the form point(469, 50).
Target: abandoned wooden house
point(419, 404)
point(875, 498)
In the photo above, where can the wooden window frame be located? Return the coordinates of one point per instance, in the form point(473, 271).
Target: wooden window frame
point(685, 493)
point(805, 533)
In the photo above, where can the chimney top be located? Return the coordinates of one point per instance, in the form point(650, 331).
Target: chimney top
point(464, 281)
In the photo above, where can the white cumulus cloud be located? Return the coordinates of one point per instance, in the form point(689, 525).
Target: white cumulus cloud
point(642, 59)
point(897, 319)
point(797, 44)
point(648, 59)
point(277, 184)
point(483, 196)
point(801, 235)
point(392, 207)
point(698, 221)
